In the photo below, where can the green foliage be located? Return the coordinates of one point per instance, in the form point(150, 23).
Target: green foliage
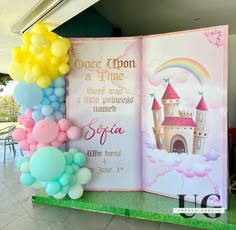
point(9, 109)
point(4, 78)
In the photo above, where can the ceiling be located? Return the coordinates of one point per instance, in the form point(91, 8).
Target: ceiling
point(12, 11)
point(133, 17)
point(143, 17)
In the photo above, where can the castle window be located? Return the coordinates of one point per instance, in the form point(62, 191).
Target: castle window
point(200, 117)
point(199, 144)
point(157, 115)
point(170, 111)
point(161, 141)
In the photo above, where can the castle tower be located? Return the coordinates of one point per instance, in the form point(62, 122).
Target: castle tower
point(170, 100)
point(200, 132)
point(157, 129)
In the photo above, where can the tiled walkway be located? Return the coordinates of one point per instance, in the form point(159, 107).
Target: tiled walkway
point(18, 212)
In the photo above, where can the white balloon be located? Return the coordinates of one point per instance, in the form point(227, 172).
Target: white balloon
point(60, 195)
point(76, 191)
point(37, 184)
point(84, 175)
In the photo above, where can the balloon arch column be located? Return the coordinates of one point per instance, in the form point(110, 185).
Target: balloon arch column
point(39, 65)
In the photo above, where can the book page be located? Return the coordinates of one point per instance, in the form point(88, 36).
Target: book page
point(103, 98)
point(184, 114)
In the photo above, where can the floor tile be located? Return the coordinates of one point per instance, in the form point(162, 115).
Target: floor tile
point(6, 219)
point(167, 226)
point(88, 220)
point(27, 223)
point(127, 223)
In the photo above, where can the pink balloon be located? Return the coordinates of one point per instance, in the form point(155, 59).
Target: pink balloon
point(64, 124)
point(73, 132)
point(19, 134)
point(56, 144)
point(30, 138)
point(40, 145)
point(28, 113)
point(24, 145)
point(20, 119)
point(45, 131)
point(28, 123)
point(30, 153)
point(33, 147)
point(62, 137)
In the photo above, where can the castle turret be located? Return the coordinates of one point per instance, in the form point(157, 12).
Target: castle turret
point(170, 100)
point(157, 129)
point(200, 130)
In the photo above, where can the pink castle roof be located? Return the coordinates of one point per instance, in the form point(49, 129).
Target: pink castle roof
point(155, 105)
point(170, 93)
point(202, 105)
point(179, 121)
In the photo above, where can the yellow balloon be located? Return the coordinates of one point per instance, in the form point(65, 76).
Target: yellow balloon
point(16, 71)
point(59, 48)
point(64, 68)
point(55, 60)
point(40, 28)
point(43, 56)
point(44, 81)
point(67, 42)
point(52, 71)
point(30, 62)
point(35, 49)
point(37, 70)
point(29, 77)
point(26, 38)
point(65, 59)
point(37, 39)
point(51, 36)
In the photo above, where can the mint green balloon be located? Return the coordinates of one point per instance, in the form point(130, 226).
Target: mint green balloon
point(27, 179)
point(79, 159)
point(53, 188)
point(47, 163)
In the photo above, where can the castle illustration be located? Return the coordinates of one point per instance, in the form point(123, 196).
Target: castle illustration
point(177, 131)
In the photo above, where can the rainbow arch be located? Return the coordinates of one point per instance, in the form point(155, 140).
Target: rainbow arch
point(188, 64)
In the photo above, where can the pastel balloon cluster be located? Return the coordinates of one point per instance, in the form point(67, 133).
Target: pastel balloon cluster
point(45, 132)
point(47, 103)
point(58, 173)
point(43, 56)
point(52, 104)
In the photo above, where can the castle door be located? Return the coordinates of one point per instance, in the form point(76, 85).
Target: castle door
point(178, 147)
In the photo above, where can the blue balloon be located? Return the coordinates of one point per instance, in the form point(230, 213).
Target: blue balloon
point(51, 117)
point(53, 98)
point(62, 108)
point(45, 101)
point(58, 115)
point(59, 92)
point(47, 163)
point(61, 99)
point(48, 91)
point(47, 110)
point(37, 116)
point(23, 109)
point(27, 94)
point(60, 82)
point(55, 105)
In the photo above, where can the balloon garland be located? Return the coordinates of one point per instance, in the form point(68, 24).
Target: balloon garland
point(39, 65)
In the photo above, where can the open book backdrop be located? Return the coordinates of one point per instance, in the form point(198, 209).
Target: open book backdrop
point(153, 112)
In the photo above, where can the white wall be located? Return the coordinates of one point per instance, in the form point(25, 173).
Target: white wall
point(232, 81)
